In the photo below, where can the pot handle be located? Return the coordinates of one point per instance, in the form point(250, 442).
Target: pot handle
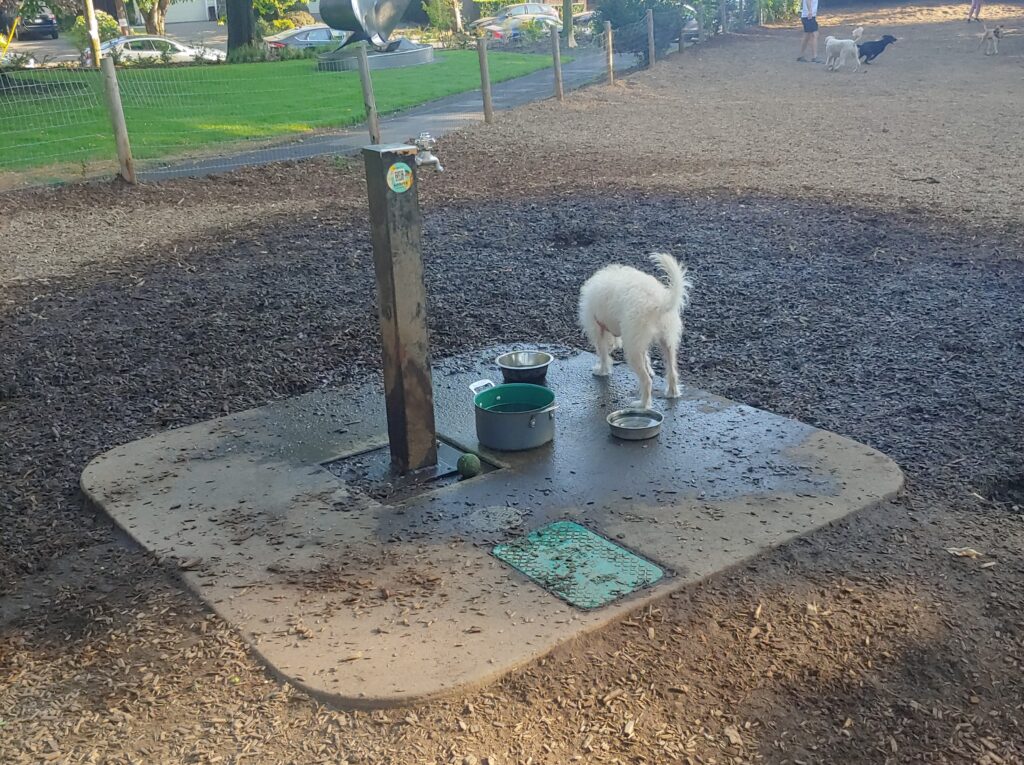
point(480, 386)
point(549, 411)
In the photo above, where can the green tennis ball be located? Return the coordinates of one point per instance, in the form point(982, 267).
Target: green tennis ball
point(469, 466)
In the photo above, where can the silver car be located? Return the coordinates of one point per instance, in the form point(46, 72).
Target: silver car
point(154, 50)
point(512, 16)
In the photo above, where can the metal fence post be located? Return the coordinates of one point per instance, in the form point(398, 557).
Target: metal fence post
point(396, 228)
point(611, 52)
point(113, 94)
point(556, 58)
point(650, 38)
point(485, 79)
point(372, 122)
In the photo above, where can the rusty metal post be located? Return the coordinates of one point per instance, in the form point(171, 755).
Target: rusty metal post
point(396, 227)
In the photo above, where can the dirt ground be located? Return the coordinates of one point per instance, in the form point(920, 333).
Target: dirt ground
point(857, 242)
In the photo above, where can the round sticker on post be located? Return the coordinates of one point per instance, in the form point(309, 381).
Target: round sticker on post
point(399, 177)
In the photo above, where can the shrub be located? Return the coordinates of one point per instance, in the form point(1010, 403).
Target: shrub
point(628, 20)
point(248, 54)
point(440, 13)
point(108, 28)
point(490, 7)
point(301, 18)
point(292, 54)
point(282, 25)
point(775, 10)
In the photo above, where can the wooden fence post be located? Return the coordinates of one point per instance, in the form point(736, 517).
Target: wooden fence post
point(396, 229)
point(113, 94)
point(369, 102)
point(611, 52)
point(556, 58)
point(93, 31)
point(485, 79)
point(650, 38)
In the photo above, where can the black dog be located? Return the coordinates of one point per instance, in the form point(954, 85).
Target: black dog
point(869, 51)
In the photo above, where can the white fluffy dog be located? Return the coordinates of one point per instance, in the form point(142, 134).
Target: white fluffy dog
point(621, 305)
point(838, 51)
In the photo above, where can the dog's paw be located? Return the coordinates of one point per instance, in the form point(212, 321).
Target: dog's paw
point(672, 393)
point(599, 371)
point(639, 404)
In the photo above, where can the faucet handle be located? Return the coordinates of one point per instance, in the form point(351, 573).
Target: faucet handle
point(425, 142)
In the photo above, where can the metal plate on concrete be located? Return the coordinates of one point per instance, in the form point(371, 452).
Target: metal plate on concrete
point(369, 602)
point(582, 568)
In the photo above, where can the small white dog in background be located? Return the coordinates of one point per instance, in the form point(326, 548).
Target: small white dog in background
point(838, 51)
point(990, 39)
point(621, 305)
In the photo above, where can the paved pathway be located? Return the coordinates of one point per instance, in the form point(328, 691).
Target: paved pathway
point(436, 117)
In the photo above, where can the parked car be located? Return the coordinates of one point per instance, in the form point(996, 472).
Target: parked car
point(313, 36)
point(691, 30)
point(513, 16)
point(42, 24)
point(153, 49)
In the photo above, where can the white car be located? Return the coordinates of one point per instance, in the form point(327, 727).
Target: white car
point(155, 50)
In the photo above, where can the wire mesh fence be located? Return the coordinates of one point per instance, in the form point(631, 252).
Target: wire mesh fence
point(200, 118)
point(54, 126)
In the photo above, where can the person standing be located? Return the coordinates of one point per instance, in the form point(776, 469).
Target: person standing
point(809, 19)
point(974, 10)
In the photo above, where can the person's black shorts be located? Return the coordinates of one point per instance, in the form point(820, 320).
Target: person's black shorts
point(810, 24)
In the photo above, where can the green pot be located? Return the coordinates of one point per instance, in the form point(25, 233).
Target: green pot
point(514, 416)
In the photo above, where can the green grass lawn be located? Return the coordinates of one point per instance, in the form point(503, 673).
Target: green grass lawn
point(174, 112)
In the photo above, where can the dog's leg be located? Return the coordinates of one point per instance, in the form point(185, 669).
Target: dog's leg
point(604, 344)
point(668, 355)
point(640, 364)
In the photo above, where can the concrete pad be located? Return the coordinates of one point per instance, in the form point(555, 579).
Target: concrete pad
point(372, 605)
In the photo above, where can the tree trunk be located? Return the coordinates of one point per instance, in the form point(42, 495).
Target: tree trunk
point(242, 29)
point(457, 4)
point(122, 17)
point(567, 28)
point(151, 17)
point(162, 5)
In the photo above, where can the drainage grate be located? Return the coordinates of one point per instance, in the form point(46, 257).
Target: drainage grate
point(579, 566)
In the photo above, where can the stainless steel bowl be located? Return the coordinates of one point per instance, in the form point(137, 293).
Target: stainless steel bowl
point(635, 424)
point(524, 366)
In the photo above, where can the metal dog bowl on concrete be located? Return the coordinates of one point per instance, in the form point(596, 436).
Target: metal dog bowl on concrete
point(635, 424)
point(524, 366)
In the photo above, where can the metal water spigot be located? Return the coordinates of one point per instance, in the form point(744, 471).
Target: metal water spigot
point(425, 146)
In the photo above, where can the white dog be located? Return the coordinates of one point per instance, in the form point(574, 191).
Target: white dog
point(837, 51)
point(621, 305)
point(990, 39)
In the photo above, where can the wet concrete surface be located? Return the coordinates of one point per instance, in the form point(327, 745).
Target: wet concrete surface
point(370, 604)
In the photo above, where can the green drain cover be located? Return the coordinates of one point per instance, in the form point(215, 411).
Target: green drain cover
point(579, 566)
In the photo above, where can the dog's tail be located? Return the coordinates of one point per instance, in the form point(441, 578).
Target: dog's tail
point(678, 285)
point(857, 34)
